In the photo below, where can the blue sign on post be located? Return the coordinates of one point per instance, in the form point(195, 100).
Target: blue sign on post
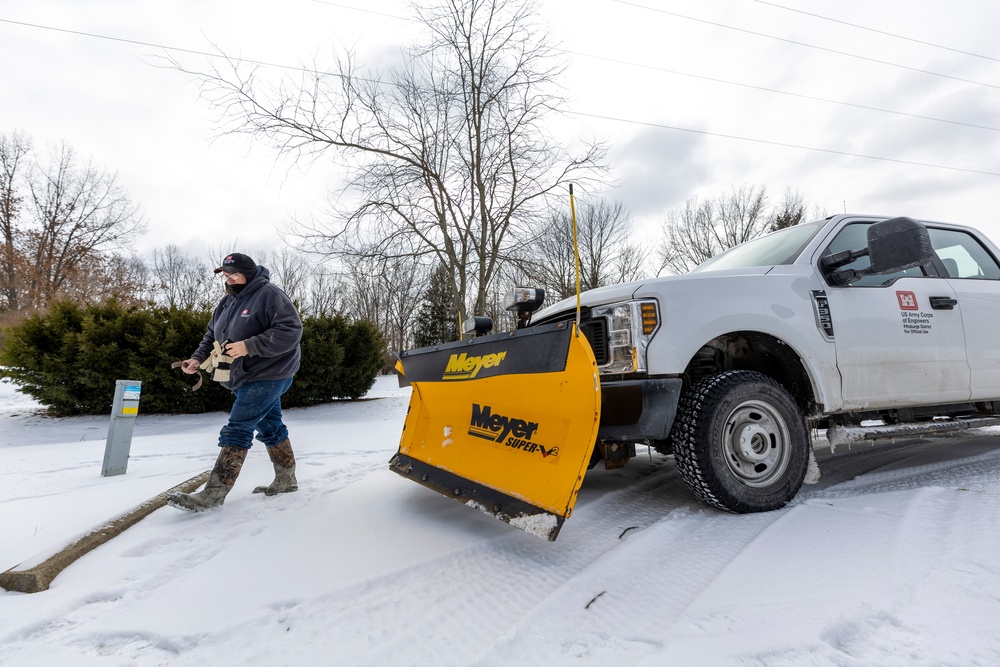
point(123, 413)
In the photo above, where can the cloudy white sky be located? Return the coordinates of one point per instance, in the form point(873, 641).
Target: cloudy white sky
point(695, 97)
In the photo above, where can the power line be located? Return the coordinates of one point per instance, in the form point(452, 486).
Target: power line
point(155, 46)
point(782, 144)
point(880, 32)
point(366, 11)
point(810, 46)
point(783, 92)
point(577, 113)
point(209, 54)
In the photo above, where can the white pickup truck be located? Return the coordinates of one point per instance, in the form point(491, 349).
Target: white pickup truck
point(835, 324)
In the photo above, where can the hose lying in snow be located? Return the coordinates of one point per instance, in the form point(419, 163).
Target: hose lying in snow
point(30, 578)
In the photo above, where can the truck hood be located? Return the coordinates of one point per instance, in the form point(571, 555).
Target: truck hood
point(639, 289)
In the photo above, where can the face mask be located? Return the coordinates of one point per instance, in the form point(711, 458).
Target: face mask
point(234, 289)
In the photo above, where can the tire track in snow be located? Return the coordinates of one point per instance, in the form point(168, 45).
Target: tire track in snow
point(877, 569)
point(481, 603)
point(649, 578)
point(881, 468)
point(901, 575)
point(846, 464)
point(931, 569)
point(477, 593)
point(511, 590)
point(653, 577)
point(492, 592)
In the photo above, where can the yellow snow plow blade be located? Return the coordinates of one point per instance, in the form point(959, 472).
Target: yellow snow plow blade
point(504, 423)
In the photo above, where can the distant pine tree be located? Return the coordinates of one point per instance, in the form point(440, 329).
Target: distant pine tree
point(791, 212)
point(436, 321)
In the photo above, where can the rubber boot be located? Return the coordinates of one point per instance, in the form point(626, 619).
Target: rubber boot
point(220, 483)
point(283, 461)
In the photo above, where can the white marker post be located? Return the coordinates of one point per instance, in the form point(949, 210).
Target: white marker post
point(123, 413)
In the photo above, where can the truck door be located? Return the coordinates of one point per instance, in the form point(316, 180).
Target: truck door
point(974, 275)
point(899, 338)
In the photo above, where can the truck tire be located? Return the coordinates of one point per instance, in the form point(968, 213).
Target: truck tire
point(740, 442)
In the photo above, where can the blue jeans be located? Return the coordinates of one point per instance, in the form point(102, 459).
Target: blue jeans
point(257, 408)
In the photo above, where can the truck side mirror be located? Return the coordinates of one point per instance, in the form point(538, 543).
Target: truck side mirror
point(898, 244)
point(894, 245)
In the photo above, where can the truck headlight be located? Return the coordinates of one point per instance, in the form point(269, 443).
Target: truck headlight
point(629, 327)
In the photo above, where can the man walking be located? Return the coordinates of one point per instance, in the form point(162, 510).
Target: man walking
point(256, 330)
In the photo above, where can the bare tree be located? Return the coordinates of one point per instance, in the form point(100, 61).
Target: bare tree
point(387, 293)
point(403, 281)
point(607, 253)
point(182, 281)
point(290, 270)
point(689, 238)
point(549, 260)
point(702, 230)
point(61, 222)
point(75, 212)
point(630, 263)
point(120, 276)
point(326, 294)
point(309, 285)
point(449, 152)
point(13, 151)
point(741, 215)
point(365, 299)
point(132, 274)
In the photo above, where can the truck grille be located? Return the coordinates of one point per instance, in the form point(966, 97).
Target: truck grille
point(596, 332)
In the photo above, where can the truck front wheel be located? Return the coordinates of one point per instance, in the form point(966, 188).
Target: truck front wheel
point(740, 442)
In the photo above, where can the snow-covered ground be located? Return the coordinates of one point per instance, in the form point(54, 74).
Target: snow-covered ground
point(893, 558)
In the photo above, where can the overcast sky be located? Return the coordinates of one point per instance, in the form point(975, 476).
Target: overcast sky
point(889, 107)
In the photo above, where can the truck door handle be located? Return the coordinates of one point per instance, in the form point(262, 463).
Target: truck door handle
point(943, 302)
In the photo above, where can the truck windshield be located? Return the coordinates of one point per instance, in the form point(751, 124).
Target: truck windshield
point(781, 247)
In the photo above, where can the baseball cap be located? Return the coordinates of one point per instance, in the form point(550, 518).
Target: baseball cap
point(237, 262)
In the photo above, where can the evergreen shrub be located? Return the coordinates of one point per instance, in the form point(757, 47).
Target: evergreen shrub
point(69, 359)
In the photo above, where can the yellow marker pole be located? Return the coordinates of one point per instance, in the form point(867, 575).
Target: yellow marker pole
point(576, 256)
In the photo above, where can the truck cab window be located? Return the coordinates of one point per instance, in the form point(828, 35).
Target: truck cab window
point(963, 256)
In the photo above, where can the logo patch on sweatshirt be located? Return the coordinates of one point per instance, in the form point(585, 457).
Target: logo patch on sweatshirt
point(245, 313)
